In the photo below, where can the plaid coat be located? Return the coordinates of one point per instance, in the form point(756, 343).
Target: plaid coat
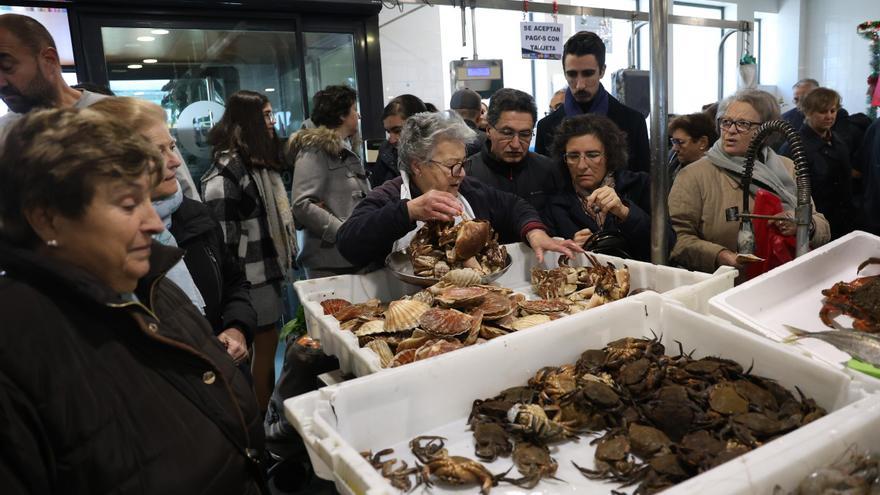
point(230, 192)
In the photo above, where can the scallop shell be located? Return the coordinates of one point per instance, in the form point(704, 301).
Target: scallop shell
point(423, 296)
point(490, 332)
point(495, 306)
point(403, 357)
point(368, 308)
point(414, 341)
point(445, 322)
point(463, 277)
point(404, 314)
point(440, 269)
point(543, 306)
point(436, 347)
point(333, 306)
point(371, 327)
point(528, 321)
point(461, 296)
point(381, 348)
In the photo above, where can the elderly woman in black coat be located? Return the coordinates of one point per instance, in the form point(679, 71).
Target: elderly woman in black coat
point(829, 158)
point(602, 196)
point(433, 186)
point(98, 393)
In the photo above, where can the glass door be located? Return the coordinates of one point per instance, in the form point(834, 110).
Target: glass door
point(190, 71)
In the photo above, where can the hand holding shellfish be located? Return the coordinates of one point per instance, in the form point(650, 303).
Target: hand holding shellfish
point(540, 242)
point(434, 205)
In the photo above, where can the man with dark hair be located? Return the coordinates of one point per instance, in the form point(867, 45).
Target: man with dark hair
point(469, 105)
point(30, 78)
point(505, 161)
point(583, 60)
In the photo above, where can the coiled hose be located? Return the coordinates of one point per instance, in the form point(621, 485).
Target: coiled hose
point(801, 166)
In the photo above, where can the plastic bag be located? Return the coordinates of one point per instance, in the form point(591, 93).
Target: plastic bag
point(776, 249)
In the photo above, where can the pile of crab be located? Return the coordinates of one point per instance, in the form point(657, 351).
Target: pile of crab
point(439, 247)
point(656, 420)
point(582, 287)
point(859, 299)
point(456, 312)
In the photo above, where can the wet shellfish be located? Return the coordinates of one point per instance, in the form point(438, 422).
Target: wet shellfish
point(543, 306)
point(462, 277)
point(445, 322)
point(404, 315)
point(333, 306)
point(461, 296)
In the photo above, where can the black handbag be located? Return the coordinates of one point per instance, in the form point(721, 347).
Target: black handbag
point(610, 242)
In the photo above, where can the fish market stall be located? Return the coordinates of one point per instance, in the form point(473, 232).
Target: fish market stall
point(691, 288)
point(816, 293)
point(436, 398)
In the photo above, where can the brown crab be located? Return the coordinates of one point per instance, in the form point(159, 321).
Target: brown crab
point(452, 470)
point(859, 299)
point(397, 476)
point(531, 421)
point(533, 462)
point(491, 440)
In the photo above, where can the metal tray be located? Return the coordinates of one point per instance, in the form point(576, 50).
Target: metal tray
point(399, 264)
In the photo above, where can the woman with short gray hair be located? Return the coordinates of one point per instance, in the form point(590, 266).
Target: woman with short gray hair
point(433, 187)
point(704, 190)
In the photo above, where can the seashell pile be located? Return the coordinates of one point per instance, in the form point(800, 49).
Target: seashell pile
point(439, 249)
point(456, 312)
point(582, 287)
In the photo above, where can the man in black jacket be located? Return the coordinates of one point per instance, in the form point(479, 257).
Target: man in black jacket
point(583, 60)
point(468, 104)
point(505, 162)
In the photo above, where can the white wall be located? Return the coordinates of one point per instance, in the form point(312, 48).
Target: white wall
point(412, 58)
point(834, 54)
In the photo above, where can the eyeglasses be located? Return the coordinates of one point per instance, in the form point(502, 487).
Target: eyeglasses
point(507, 134)
point(741, 125)
point(575, 157)
point(676, 141)
point(454, 167)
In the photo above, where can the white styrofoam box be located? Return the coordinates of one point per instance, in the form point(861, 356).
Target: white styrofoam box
point(435, 396)
point(693, 289)
point(792, 294)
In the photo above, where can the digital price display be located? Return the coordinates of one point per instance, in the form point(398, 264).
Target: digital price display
point(478, 71)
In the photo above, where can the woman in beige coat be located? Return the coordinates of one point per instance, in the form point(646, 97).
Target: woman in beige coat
point(704, 190)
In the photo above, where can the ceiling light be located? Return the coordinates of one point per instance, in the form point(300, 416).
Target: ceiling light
point(150, 60)
point(135, 66)
point(145, 38)
point(159, 31)
point(270, 90)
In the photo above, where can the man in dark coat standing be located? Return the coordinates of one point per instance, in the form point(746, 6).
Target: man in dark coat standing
point(468, 104)
point(505, 162)
point(583, 60)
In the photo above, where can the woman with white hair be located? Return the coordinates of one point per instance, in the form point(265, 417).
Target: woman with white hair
point(433, 186)
point(706, 189)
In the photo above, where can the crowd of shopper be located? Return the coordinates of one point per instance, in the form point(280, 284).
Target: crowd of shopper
point(165, 296)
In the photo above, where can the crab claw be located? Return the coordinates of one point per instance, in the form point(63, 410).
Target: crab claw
point(869, 261)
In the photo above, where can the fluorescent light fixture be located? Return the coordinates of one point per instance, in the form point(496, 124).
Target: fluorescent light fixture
point(270, 90)
point(145, 38)
point(159, 31)
point(135, 66)
point(150, 60)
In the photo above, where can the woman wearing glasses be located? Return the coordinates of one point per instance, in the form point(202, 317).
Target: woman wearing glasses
point(706, 189)
point(328, 179)
point(690, 136)
point(601, 195)
point(434, 186)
